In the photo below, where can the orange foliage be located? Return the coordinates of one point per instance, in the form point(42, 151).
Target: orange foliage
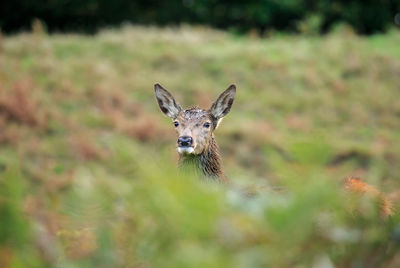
point(356, 185)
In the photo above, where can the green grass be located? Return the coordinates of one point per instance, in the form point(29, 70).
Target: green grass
point(88, 173)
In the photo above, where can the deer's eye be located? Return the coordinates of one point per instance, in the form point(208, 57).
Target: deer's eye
point(207, 125)
point(176, 124)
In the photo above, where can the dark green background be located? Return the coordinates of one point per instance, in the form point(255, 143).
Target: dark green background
point(365, 16)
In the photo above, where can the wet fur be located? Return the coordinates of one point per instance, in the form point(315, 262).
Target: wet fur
point(208, 163)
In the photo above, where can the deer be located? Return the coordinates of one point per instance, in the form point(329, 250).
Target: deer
point(199, 150)
point(195, 127)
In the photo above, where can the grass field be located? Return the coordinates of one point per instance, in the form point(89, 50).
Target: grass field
point(88, 172)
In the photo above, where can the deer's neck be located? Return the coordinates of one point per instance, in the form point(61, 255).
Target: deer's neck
point(208, 163)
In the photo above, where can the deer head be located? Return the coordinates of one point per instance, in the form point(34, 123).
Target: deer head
point(195, 126)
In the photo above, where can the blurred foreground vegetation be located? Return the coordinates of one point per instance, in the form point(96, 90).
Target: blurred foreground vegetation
point(88, 167)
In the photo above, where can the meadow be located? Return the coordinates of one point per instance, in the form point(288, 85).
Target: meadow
point(88, 165)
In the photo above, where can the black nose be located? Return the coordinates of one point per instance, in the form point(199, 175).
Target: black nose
point(185, 141)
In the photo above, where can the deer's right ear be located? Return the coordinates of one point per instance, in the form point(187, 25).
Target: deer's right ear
point(167, 103)
point(223, 104)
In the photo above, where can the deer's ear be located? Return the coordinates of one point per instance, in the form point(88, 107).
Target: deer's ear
point(223, 104)
point(167, 103)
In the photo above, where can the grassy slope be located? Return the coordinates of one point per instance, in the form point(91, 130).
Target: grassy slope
point(95, 161)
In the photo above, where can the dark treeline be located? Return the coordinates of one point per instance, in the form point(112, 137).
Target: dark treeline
point(365, 16)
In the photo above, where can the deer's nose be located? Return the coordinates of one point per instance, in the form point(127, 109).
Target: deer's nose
point(185, 141)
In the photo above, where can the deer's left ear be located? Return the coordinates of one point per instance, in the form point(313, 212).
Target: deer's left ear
point(223, 104)
point(167, 102)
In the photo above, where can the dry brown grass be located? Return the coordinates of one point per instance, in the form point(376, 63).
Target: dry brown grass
point(85, 149)
point(129, 117)
point(18, 104)
point(9, 134)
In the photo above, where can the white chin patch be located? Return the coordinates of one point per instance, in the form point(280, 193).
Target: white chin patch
point(185, 150)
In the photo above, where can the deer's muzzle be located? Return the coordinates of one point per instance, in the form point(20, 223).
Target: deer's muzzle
point(185, 141)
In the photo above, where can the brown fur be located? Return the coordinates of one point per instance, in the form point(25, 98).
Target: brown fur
point(205, 158)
